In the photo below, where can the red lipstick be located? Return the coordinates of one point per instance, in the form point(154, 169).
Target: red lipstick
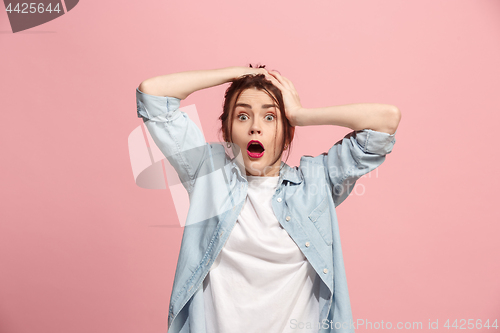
point(255, 149)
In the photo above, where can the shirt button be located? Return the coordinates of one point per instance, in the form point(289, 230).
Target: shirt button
point(307, 244)
point(279, 199)
point(288, 218)
point(325, 271)
point(242, 185)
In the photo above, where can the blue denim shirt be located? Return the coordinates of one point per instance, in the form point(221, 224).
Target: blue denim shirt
point(304, 204)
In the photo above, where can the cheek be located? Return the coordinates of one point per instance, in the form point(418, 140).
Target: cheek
point(238, 135)
point(236, 129)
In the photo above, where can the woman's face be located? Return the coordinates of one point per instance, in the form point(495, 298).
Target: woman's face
point(257, 117)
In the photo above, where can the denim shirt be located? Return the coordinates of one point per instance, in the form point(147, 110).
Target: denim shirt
point(304, 203)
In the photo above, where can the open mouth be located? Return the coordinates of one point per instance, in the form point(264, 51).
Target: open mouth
point(255, 149)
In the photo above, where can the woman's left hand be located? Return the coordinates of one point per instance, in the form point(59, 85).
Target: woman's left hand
point(290, 96)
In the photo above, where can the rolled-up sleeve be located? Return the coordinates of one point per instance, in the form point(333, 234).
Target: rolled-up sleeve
point(157, 108)
point(357, 154)
point(174, 133)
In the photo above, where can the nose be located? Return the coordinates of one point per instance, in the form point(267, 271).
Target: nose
point(255, 128)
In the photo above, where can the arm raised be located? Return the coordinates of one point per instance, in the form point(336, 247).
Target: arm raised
point(174, 133)
point(181, 85)
point(378, 117)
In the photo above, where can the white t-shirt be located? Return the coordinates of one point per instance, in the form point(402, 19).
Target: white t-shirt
point(260, 281)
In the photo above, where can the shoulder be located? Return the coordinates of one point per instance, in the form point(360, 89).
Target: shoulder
point(312, 165)
point(311, 170)
point(217, 151)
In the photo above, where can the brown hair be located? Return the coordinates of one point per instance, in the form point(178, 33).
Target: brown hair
point(259, 82)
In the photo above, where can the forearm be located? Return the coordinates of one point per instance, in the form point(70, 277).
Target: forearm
point(181, 85)
point(378, 117)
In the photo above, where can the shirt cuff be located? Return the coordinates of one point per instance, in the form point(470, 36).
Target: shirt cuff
point(157, 108)
point(375, 142)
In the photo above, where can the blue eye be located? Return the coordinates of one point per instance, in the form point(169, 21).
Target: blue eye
point(241, 115)
point(270, 115)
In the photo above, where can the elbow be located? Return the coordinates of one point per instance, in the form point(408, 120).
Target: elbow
point(387, 120)
point(145, 87)
point(155, 87)
point(393, 119)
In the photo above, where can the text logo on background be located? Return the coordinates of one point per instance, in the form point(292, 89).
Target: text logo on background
point(25, 15)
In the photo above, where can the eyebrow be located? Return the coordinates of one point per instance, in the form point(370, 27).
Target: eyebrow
point(248, 106)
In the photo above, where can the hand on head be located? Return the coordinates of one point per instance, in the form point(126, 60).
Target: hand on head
point(290, 95)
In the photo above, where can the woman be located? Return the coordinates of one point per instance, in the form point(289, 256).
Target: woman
point(261, 248)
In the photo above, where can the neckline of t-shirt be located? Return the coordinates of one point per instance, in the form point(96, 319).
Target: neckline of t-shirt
point(261, 180)
point(259, 177)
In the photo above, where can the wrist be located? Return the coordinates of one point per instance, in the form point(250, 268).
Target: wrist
point(233, 72)
point(299, 117)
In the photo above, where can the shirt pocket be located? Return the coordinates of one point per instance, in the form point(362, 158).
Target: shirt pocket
point(321, 218)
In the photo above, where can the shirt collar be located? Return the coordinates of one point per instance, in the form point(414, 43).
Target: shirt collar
point(287, 173)
point(290, 174)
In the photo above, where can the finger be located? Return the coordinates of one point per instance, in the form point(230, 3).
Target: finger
point(282, 79)
point(275, 82)
point(290, 83)
point(275, 77)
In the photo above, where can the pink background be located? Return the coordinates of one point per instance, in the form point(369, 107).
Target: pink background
point(84, 249)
